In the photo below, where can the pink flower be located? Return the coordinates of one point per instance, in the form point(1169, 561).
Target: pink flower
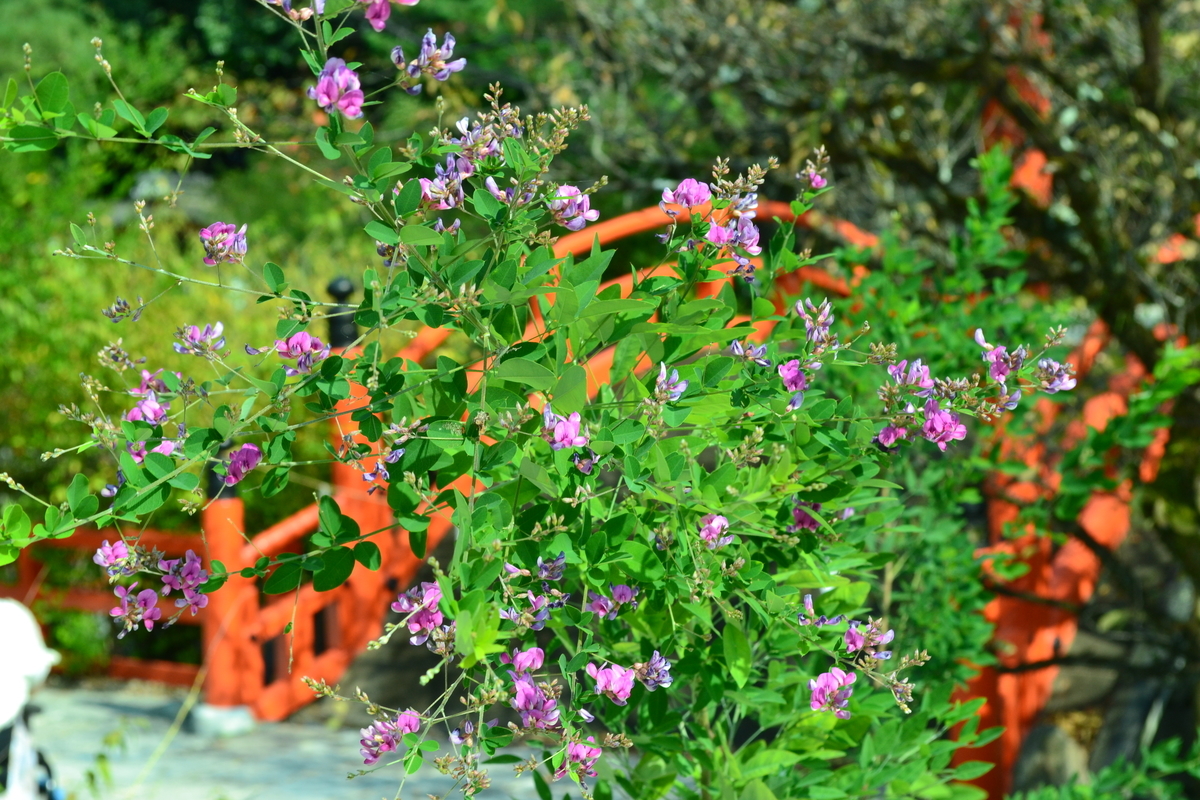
point(408, 721)
point(831, 692)
point(421, 604)
point(614, 682)
point(524, 661)
point(562, 432)
point(110, 556)
point(712, 531)
point(223, 241)
point(538, 710)
point(148, 409)
point(581, 760)
point(793, 377)
point(378, 11)
point(141, 610)
point(241, 461)
point(338, 89)
point(572, 208)
point(941, 427)
point(690, 192)
point(307, 349)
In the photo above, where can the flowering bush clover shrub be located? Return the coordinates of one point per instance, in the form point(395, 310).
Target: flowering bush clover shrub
point(637, 570)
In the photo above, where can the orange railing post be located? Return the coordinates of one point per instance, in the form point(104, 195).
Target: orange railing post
point(234, 664)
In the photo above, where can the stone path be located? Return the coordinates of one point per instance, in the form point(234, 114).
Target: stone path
point(277, 760)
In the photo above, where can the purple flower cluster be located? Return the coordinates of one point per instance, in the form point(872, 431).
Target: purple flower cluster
point(307, 349)
point(817, 323)
point(869, 641)
point(581, 760)
point(831, 692)
point(607, 607)
point(750, 352)
point(552, 570)
point(1000, 362)
point(795, 381)
point(571, 208)
point(431, 60)
point(197, 341)
point(420, 603)
point(614, 682)
point(338, 89)
point(917, 377)
point(689, 193)
point(941, 427)
point(536, 616)
point(148, 409)
point(386, 736)
point(1054, 377)
point(562, 432)
point(185, 575)
point(809, 617)
point(378, 11)
point(713, 529)
point(135, 609)
point(668, 387)
point(115, 558)
point(654, 673)
point(801, 519)
point(445, 189)
point(738, 234)
point(223, 242)
point(137, 451)
point(507, 195)
point(538, 709)
point(241, 461)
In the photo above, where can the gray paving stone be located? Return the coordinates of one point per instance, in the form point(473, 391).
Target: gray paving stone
point(275, 760)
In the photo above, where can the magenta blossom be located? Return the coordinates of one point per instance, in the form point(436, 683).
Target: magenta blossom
point(601, 606)
point(941, 427)
point(524, 661)
point(917, 376)
point(869, 641)
point(795, 381)
point(307, 349)
point(420, 603)
point(581, 760)
point(197, 341)
point(135, 609)
point(801, 519)
point(712, 531)
point(690, 192)
point(572, 208)
point(386, 736)
point(151, 383)
point(148, 409)
point(114, 558)
point(241, 461)
point(223, 241)
point(378, 11)
point(185, 575)
point(338, 89)
point(889, 435)
point(538, 710)
point(614, 682)
point(562, 432)
point(741, 232)
point(138, 450)
point(1054, 377)
point(623, 595)
point(831, 692)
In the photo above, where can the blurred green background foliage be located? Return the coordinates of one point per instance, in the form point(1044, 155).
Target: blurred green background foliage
point(894, 90)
